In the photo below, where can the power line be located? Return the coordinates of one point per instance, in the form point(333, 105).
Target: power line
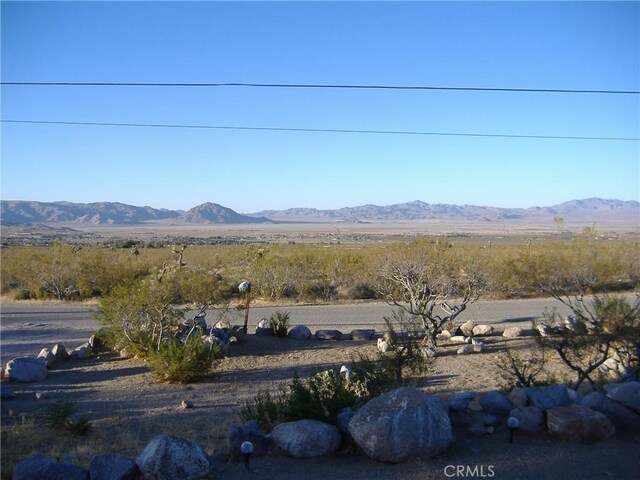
point(320, 130)
point(326, 86)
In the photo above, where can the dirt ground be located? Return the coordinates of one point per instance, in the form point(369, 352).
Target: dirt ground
point(127, 407)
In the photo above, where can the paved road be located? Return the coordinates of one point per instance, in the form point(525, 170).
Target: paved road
point(27, 328)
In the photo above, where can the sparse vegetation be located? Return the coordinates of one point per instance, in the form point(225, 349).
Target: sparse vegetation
point(322, 396)
point(404, 334)
point(58, 416)
point(279, 323)
point(521, 369)
point(181, 362)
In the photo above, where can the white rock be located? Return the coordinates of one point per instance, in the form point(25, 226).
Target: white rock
point(466, 349)
point(482, 330)
point(512, 332)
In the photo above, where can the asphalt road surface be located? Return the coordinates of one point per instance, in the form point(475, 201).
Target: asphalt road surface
point(27, 328)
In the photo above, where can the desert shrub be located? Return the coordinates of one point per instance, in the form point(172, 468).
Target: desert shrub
point(599, 328)
point(279, 323)
point(265, 408)
point(58, 416)
point(521, 370)
point(182, 362)
point(140, 315)
point(321, 396)
point(407, 354)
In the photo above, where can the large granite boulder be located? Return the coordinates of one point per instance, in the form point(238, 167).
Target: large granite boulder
point(170, 458)
point(328, 334)
point(622, 417)
point(26, 369)
point(306, 438)
point(495, 402)
point(627, 393)
point(43, 468)
point(112, 466)
point(576, 422)
point(362, 334)
point(401, 424)
point(548, 397)
point(299, 332)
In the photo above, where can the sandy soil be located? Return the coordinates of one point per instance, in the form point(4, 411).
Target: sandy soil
point(127, 407)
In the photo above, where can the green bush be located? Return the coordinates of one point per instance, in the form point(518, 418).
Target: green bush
point(322, 396)
point(279, 323)
point(178, 362)
point(58, 416)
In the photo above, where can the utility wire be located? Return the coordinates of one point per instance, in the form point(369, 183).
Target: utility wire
point(320, 130)
point(327, 86)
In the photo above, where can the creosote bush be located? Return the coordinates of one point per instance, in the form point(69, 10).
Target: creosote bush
point(407, 354)
point(322, 396)
point(181, 362)
point(307, 272)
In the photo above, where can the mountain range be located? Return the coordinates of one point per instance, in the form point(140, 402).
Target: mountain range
point(113, 213)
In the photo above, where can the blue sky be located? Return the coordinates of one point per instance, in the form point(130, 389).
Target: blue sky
point(539, 45)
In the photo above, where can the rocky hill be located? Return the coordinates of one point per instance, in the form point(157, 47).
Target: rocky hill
point(214, 213)
point(108, 213)
point(592, 207)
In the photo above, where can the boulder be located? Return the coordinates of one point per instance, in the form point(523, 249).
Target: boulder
point(26, 369)
point(512, 332)
point(60, 353)
point(306, 438)
point(401, 424)
point(383, 346)
point(576, 422)
point(362, 334)
point(342, 422)
point(264, 331)
point(458, 339)
point(466, 328)
point(299, 332)
point(43, 468)
point(623, 418)
point(544, 330)
point(48, 357)
point(112, 467)
point(249, 432)
point(84, 351)
point(460, 401)
point(548, 397)
point(6, 392)
point(328, 334)
point(170, 458)
point(466, 349)
point(444, 335)
point(518, 397)
point(531, 419)
point(495, 402)
point(482, 330)
point(627, 393)
point(477, 346)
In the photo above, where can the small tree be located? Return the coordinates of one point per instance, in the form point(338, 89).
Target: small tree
point(432, 283)
point(598, 329)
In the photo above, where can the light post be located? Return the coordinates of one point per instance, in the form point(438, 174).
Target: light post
point(245, 288)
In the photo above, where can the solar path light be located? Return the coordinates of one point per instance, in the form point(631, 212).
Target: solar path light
point(246, 448)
